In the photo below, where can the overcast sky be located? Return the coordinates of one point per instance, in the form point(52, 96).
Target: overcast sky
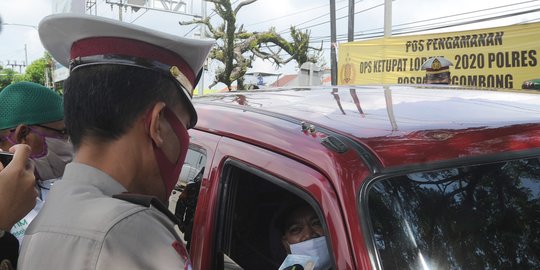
point(280, 14)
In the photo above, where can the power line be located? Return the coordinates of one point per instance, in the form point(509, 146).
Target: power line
point(425, 24)
point(492, 16)
point(466, 13)
point(529, 21)
point(214, 11)
point(277, 18)
point(426, 27)
point(420, 28)
point(293, 14)
point(454, 15)
point(188, 32)
point(360, 35)
point(313, 19)
point(475, 21)
point(325, 22)
point(140, 15)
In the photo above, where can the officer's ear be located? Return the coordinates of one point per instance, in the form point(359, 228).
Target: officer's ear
point(21, 133)
point(155, 123)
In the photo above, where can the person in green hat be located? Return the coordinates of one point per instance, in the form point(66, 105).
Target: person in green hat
point(33, 114)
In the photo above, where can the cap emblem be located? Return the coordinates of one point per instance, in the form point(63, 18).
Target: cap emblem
point(175, 71)
point(182, 79)
point(436, 64)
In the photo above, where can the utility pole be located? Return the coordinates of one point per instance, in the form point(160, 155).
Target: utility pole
point(14, 64)
point(25, 63)
point(25, 54)
point(91, 6)
point(350, 36)
point(120, 5)
point(387, 18)
point(333, 44)
point(203, 36)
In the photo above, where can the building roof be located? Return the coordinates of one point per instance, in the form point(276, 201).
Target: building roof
point(327, 80)
point(257, 73)
point(285, 80)
point(226, 89)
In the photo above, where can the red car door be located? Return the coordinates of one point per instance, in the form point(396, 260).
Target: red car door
point(225, 189)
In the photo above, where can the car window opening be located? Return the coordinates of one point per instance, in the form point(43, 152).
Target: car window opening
point(253, 236)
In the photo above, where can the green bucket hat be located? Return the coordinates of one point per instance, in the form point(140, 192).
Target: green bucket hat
point(29, 103)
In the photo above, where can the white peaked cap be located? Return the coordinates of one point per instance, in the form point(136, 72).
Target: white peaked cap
point(78, 40)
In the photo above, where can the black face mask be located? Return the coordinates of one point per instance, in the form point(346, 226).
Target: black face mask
point(442, 83)
point(438, 76)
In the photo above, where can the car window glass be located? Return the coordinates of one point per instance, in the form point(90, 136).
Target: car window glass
point(183, 200)
point(476, 217)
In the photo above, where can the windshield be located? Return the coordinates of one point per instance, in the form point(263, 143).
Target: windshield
point(479, 217)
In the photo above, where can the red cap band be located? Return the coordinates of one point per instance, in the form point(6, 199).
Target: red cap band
point(130, 47)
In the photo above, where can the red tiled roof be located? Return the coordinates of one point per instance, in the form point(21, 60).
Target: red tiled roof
point(225, 89)
point(284, 80)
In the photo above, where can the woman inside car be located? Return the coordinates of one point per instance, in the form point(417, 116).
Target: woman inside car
point(303, 234)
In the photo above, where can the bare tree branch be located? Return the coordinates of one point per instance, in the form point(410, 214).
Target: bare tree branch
point(243, 3)
point(237, 48)
point(272, 51)
point(266, 56)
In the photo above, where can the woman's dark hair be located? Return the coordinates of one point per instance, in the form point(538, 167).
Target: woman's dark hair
point(103, 101)
point(285, 213)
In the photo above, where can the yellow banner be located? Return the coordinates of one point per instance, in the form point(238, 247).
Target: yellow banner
point(501, 57)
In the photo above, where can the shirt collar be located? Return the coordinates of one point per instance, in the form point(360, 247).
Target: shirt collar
point(108, 185)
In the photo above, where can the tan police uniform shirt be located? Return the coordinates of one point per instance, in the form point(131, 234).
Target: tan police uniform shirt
point(82, 227)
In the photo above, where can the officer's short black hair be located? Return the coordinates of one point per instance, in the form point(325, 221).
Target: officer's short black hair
point(102, 101)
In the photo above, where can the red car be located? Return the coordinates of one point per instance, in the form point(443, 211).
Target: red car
point(401, 177)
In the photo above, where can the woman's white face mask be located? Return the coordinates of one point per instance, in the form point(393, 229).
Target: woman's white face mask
point(315, 247)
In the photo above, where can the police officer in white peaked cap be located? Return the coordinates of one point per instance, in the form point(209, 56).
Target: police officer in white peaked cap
point(437, 70)
point(127, 106)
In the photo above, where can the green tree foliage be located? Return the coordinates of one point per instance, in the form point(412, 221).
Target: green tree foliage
point(7, 76)
point(236, 48)
point(39, 71)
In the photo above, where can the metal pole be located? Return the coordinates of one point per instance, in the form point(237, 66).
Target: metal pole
point(203, 36)
point(387, 18)
point(310, 80)
point(333, 61)
point(120, 11)
point(350, 36)
point(25, 55)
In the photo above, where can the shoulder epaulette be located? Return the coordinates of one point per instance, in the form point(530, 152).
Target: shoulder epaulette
point(147, 201)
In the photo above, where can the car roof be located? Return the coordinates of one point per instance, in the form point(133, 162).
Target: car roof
point(382, 118)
